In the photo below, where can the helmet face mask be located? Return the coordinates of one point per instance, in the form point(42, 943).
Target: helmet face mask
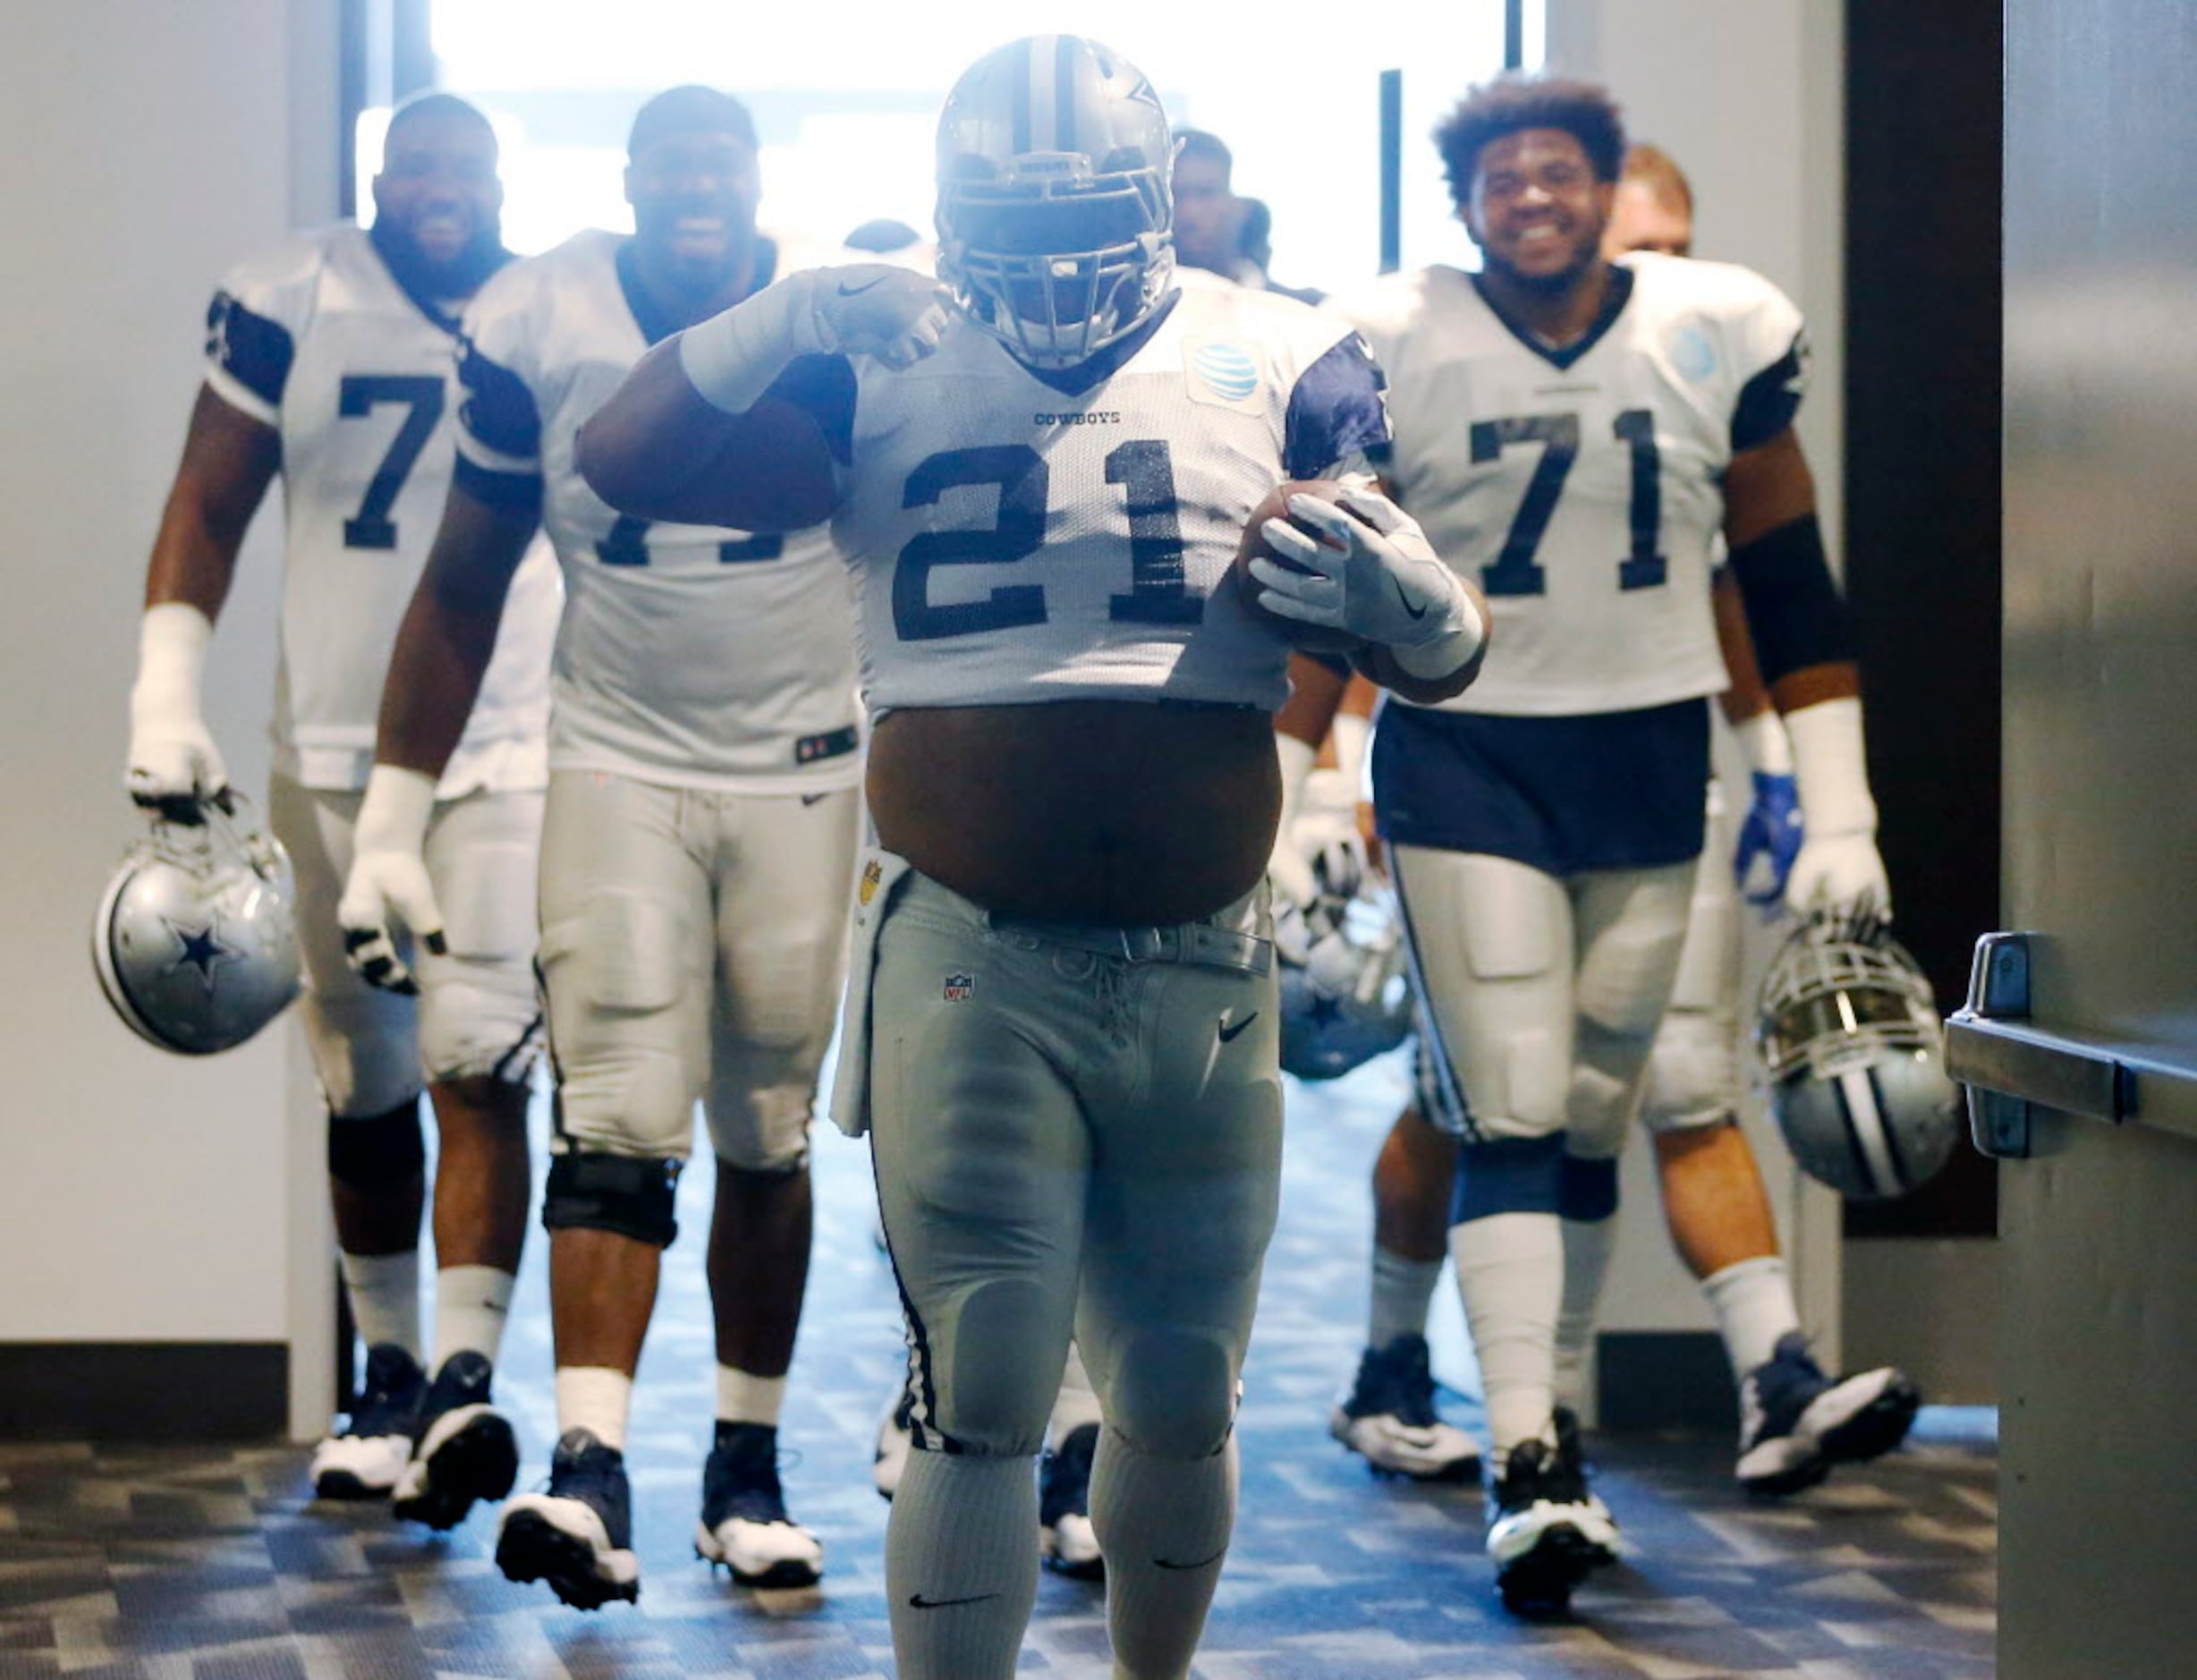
point(1849, 1035)
point(195, 941)
point(1055, 214)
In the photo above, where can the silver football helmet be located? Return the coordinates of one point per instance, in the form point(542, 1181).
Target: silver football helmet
point(1056, 213)
point(1345, 997)
point(195, 942)
point(1849, 1035)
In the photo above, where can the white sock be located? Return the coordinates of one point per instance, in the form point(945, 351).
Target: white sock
point(1588, 1245)
point(595, 1398)
point(743, 1398)
point(1752, 1300)
point(471, 1306)
point(964, 1538)
point(1077, 1403)
point(1164, 1527)
point(1510, 1271)
point(385, 1298)
point(1403, 1290)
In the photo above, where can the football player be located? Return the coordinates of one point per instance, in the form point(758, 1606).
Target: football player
point(1210, 219)
point(703, 812)
point(1577, 434)
point(327, 360)
point(1060, 1029)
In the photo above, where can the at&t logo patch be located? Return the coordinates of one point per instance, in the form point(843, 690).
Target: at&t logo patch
point(1223, 372)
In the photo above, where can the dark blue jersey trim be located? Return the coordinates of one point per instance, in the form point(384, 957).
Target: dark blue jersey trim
point(1336, 411)
point(1614, 300)
point(497, 410)
point(657, 326)
point(251, 349)
point(1768, 401)
point(1076, 380)
point(507, 492)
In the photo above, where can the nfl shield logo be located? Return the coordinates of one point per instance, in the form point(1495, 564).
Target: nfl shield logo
point(960, 988)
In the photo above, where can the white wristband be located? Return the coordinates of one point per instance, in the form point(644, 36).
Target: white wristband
point(172, 642)
point(731, 357)
point(394, 815)
point(1350, 732)
point(1297, 758)
point(1832, 767)
point(1763, 739)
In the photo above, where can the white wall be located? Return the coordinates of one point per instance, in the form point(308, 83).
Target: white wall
point(143, 149)
point(1748, 98)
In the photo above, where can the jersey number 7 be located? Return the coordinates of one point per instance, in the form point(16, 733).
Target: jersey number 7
point(371, 527)
point(1515, 571)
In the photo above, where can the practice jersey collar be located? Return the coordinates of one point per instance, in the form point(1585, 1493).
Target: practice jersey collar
point(656, 326)
point(1614, 299)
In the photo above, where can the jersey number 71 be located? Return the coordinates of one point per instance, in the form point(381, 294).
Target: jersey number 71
point(1515, 571)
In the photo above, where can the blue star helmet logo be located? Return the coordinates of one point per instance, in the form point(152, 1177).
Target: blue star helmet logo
point(201, 948)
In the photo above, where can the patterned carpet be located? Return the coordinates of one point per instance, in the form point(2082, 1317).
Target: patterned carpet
point(215, 1564)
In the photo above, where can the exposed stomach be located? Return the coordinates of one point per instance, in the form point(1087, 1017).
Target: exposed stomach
point(1116, 811)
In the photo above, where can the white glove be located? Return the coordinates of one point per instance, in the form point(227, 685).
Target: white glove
point(871, 308)
point(879, 310)
point(1376, 577)
point(388, 882)
point(173, 762)
point(1326, 833)
point(1839, 868)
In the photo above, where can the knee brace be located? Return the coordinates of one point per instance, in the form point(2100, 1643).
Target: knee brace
point(626, 1194)
point(1587, 1189)
point(1171, 1395)
point(376, 1150)
point(1508, 1176)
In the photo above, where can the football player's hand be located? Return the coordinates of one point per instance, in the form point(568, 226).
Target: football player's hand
point(388, 886)
point(1375, 576)
point(1325, 834)
point(1289, 873)
point(174, 764)
point(1770, 840)
point(1839, 873)
point(880, 310)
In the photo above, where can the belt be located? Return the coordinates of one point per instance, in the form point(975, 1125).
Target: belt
point(1195, 942)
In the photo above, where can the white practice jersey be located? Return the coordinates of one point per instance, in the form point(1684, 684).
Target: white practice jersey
point(1016, 540)
point(318, 340)
point(688, 655)
point(1582, 490)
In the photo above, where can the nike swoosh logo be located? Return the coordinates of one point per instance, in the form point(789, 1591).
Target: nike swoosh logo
point(847, 291)
point(1228, 1035)
point(1416, 612)
point(810, 799)
point(917, 1602)
point(1203, 1564)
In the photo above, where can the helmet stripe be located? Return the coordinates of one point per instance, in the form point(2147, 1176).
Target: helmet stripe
point(1857, 1100)
point(1039, 83)
point(1067, 51)
point(1020, 82)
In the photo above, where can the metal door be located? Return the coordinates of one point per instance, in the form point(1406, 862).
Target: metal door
point(2086, 1026)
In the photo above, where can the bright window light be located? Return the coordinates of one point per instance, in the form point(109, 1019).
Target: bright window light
point(846, 111)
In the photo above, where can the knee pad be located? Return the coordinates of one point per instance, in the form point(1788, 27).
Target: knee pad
point(479, 1024)
point(759, 1111)
point(1508, 1176)
point(994, 1405)
point(630, 1195)
point(1172, 1395)
point(1693, 1077)
point(376, 1150)
point(1587, 1189)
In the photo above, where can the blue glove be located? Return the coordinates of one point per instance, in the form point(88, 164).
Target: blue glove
point(1769, 839)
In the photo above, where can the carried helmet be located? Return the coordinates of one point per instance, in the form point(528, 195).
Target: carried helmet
point(1055, 208)
point(195, 941)
point(1849, 1034)
point(1345, 996)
